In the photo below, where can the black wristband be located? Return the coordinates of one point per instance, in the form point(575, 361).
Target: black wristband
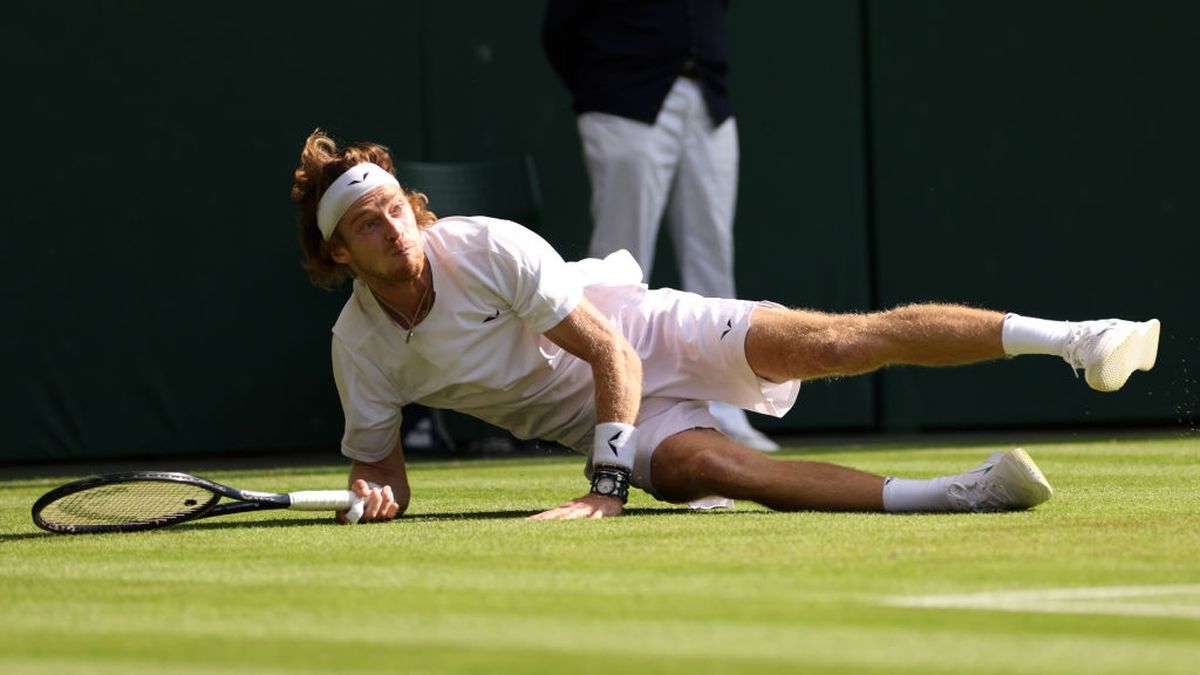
point(611, 481)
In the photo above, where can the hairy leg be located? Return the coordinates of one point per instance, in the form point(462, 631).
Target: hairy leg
point(703, 462)
point(787, 344)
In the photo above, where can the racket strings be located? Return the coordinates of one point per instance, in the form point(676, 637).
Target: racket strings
point(129, 503)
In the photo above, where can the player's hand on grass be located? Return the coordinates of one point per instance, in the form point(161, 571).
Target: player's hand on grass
point(587, 506)
point(379, 502)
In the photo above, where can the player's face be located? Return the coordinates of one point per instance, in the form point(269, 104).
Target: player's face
point(381, 238)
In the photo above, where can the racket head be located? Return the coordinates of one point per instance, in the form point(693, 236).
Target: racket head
point(125, 502)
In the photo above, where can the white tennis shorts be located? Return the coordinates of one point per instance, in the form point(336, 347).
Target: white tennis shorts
point(693, 351)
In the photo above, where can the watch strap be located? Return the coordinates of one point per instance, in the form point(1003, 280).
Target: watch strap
point(619, 478)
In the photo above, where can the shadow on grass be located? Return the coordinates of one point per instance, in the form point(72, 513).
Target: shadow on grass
point(183, 527)
point(306, 522)
point(499, 515)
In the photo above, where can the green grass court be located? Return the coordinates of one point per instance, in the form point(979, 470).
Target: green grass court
point(1105, 578)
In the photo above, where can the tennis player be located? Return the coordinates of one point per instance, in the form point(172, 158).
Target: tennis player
point(483, 316)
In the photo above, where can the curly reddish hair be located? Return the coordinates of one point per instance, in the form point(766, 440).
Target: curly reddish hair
point(321, 162)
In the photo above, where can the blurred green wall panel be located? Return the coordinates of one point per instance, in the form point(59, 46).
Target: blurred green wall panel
point(801, 229)
point(1038, 158)
point(152, 265)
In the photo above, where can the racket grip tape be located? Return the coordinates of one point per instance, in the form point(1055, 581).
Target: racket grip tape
point(328, 500)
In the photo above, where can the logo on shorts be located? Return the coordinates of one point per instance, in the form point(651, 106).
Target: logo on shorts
point(728, 327)
point(492, 317)
point(612, 445)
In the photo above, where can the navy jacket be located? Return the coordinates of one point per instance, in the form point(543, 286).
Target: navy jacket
point(622, 56)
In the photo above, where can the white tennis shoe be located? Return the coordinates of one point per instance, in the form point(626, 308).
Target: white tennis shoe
point(1005, 481)
point(1109, 351)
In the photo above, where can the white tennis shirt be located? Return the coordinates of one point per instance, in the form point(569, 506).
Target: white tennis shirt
point(480, 350)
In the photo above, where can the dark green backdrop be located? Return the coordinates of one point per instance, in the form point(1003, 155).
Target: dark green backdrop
point(1036, 157)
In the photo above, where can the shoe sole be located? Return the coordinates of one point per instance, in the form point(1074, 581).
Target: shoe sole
point(1022, 480)
point(1137, 351)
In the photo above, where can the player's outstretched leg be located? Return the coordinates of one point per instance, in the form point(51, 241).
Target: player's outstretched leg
point(785, 344)
point(789, 344)
point(1005, 481)
point(701, 462)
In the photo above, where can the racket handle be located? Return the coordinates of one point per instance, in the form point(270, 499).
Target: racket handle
point(323, 500)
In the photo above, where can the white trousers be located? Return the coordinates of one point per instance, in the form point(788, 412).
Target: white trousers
point(680, 167)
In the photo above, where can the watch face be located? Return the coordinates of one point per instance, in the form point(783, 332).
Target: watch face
point(605, 485)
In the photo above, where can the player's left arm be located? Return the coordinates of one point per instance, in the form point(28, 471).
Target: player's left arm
point(616, 367)
point(617, 371)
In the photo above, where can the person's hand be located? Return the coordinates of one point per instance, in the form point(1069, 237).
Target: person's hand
point(588, 506)
point(379, 503)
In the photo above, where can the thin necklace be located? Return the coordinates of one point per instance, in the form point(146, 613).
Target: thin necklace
point(417, 315)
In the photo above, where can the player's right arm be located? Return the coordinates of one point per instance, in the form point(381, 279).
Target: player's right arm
point(372, 411)
point(383, 484)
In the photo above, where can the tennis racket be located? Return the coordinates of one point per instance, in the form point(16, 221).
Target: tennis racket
point(143, 500)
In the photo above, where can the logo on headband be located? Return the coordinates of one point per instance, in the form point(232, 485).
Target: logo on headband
point(345, 189)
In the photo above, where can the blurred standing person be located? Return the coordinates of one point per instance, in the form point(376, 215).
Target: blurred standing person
point(649, 81)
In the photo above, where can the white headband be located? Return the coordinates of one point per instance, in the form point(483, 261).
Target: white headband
point(346, 190)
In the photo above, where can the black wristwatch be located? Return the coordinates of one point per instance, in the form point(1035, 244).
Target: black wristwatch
point(611, 481)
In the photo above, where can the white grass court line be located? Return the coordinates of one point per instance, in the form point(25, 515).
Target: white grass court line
point(1110, 600)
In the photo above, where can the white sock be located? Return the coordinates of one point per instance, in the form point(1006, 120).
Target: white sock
point(1026, 335)
point(901, 495)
